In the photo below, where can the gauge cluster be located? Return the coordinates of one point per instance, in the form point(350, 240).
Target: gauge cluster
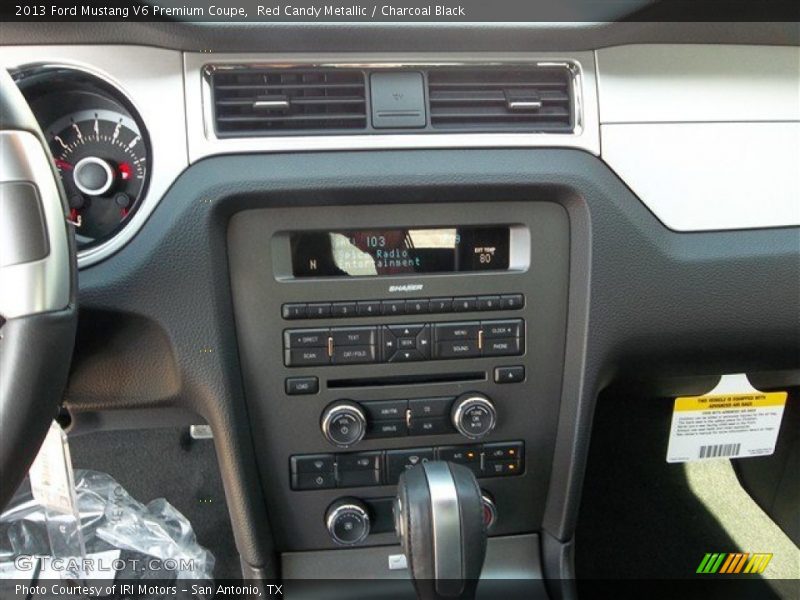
point(99, 145)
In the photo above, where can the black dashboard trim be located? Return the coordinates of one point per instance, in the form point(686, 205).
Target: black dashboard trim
point(644, 301)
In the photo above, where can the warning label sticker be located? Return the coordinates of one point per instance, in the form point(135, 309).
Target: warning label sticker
point(730, 425)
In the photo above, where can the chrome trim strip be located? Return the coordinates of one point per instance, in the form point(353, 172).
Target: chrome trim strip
point(446, 523)
point(42, 285)
point(203, 142)
point(152, 81)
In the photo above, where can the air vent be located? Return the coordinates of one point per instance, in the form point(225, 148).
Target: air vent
point(501, 98)
point(250, 102)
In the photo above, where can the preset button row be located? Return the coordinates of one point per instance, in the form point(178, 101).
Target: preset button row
point(415, 306)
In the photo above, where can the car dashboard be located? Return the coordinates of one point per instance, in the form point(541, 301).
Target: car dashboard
point(347, 263)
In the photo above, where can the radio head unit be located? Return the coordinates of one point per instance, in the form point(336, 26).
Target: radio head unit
point(400, 251)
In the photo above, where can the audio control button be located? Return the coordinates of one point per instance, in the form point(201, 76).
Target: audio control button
point(306, 357)
point(512, 301)
point(474, 415)
point(432, 426)
point(343, 423)
point(388, 428)
point(465, 304)
point(319, 310)
point(441, 305)
point(353, 336)
point(430, 407)
point(501, 347)
point(417, 307)
point(393, 307)
point(343, 309)
point(513, 374)
point(351, 355)
point(457, 349)
point(406, 356)
point(502, 329)
point(305, 338)
point(294, 311)
point(386, 409)
point(368, 308)
point(457, 331)
point(296, 386)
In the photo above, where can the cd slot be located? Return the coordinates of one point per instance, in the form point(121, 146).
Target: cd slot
point(362, 382)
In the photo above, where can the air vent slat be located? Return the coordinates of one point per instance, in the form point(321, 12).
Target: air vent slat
point(251, 102)
point(281, 118)
point(501, 98)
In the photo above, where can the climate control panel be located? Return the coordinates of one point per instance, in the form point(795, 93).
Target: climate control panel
point(383, 467)
point(344, 423)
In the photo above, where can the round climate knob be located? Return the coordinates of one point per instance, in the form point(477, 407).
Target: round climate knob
point(473, 415)
point(347, 521)
point(344, 423)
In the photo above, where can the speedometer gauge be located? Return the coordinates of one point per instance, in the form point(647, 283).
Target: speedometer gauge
point(103, 164)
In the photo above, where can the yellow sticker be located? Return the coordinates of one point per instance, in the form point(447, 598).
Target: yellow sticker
point(733, 421)
point(724, 401)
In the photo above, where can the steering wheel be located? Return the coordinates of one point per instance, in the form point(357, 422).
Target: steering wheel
point(38, 282)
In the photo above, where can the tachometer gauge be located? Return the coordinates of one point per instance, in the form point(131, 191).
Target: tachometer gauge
point(103, 163)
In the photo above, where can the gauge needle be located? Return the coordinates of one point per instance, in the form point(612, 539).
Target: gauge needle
point(62, 164)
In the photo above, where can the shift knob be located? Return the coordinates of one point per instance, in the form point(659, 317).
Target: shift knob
point(439, 519)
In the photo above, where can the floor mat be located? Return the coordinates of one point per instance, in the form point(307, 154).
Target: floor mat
point(643, 518)
point(167, 463)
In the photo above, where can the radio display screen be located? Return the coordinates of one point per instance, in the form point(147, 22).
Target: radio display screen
point(382, 252)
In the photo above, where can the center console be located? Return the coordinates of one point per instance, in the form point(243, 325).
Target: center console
point(377, 336)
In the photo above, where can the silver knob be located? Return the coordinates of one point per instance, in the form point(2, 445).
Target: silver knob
point(489, 509)
point(93, 176)
point(343, 423)
point(348, 521)
point(473, 415)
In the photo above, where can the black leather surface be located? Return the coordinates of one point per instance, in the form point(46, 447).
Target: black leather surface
point(473, 529)
point(35, 350)
point(417, 542)
point(418, 546)
point(643, 300)
point(34, 362)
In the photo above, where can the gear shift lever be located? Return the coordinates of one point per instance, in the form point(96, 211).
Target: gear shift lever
point(439, 519)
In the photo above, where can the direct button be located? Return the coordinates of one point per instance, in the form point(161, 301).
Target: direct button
point(305, 338)
point(296, 386)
